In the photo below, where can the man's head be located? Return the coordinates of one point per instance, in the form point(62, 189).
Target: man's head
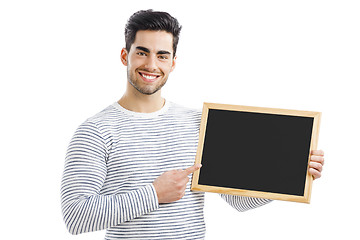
point(151, 40)
point(152, 20)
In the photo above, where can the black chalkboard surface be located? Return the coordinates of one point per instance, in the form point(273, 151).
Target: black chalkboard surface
point(256, 152)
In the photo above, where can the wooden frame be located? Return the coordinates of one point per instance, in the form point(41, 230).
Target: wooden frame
point(216, 110)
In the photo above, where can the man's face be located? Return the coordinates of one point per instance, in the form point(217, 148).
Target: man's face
point(149, 61)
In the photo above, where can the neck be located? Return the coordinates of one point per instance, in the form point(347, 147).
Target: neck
point(138, 102)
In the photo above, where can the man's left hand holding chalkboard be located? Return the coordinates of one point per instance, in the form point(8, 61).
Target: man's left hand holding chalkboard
point(316, 163)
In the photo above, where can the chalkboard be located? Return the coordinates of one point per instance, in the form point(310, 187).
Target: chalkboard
point(256, 152)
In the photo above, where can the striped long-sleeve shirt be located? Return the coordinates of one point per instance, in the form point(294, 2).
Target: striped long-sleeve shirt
point(111, 162)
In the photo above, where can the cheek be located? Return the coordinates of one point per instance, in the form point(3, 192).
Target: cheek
point(166, 68)
point(133, 65)
point(135, 61)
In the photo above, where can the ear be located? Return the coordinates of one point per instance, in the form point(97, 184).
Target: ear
point(124, 56)
point(173, 64)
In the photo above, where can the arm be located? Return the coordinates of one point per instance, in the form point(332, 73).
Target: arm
point(84, 209)
point(242, 203)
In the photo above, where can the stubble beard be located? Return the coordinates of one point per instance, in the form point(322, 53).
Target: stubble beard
point(147, 90)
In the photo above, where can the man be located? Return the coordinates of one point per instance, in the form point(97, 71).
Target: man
point(127, 168)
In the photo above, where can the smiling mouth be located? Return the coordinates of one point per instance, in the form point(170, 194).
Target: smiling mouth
point(148, 77)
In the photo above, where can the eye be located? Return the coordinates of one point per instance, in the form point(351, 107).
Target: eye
point(141, 54)
point(163, 57)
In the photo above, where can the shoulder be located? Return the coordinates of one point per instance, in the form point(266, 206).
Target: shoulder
point(103, 116)
point(102, 120)
point(98, 128)
point(182, 114)
point(108, 118)
point(177, 108)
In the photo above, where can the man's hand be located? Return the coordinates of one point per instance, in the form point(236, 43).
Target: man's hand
point(316, 163)
point(170, 186)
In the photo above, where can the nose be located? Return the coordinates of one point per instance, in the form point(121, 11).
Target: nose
point(151, 63)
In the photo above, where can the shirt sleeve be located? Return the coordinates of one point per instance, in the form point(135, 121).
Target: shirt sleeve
point(242, 203)
point(84, 208)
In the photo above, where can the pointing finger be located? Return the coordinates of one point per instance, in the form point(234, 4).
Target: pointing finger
point(192, 169)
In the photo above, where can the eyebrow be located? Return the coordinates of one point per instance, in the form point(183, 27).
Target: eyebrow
point(144, 49)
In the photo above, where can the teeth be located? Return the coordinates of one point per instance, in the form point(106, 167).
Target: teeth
point(148, 76)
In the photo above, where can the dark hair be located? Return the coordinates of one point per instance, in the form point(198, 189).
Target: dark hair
point(151, 20)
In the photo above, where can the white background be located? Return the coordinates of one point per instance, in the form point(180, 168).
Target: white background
point(60, 64)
